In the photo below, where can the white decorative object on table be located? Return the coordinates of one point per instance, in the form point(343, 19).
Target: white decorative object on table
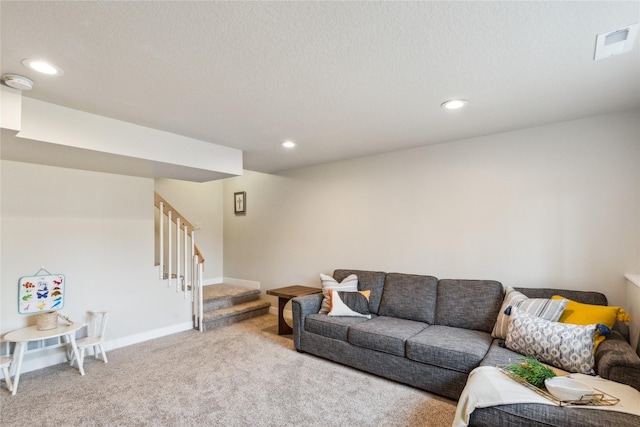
point(568, 389)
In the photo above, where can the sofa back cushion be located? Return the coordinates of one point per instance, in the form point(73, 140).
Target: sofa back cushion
point(409, 296)
point(367, 281)
point(469, 304)
point(584, 297)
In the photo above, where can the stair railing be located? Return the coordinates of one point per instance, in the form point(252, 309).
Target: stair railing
point(188, 260)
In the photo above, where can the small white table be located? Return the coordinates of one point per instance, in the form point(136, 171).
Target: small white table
point(23, 336)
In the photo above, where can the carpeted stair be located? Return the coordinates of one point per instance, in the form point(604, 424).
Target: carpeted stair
point(226, 304)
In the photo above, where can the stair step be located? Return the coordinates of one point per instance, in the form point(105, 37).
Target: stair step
point(221, 296)
point(238, 312)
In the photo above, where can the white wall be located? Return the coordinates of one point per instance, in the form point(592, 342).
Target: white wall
point(97, 230)
point(555, 206)
point(633, 300)
point(201, 204)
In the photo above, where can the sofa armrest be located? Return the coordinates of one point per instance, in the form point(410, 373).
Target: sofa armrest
point(301, 308)
point(616, 361)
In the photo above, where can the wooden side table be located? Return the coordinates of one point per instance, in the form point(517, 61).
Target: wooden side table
point(284, 295)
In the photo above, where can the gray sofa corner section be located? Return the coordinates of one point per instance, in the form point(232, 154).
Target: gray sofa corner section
point(439, 355)
point(615, 360)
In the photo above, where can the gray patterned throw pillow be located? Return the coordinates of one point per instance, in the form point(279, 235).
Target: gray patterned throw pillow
point(545, 308)
point(565, 346)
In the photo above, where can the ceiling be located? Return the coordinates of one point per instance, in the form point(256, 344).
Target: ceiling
point(342, 79)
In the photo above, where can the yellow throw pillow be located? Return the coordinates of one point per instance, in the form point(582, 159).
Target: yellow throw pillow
point(587, 314)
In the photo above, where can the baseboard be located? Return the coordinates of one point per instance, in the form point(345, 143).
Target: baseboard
point(148, 335)
point(43, 358)
point(205, 281)
point(212, 281)
point(288, 314)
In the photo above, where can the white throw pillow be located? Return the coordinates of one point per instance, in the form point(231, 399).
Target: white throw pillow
point(349, 284)
point(548, 309)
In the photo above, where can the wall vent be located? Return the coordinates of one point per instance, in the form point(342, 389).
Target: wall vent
point(616, 42)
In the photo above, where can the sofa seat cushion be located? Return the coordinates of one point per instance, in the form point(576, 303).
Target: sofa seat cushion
point(409, 296)
point(385, 334)
point(450, 348)
point(331, 327)
point(498, 355)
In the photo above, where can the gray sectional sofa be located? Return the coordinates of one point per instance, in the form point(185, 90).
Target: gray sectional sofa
point(431, 334)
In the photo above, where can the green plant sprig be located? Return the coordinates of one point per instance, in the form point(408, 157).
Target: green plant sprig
point(531, 370)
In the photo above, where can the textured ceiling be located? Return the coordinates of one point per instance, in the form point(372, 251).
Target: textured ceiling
point(343, 79)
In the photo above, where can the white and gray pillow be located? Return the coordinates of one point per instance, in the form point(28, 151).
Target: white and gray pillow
point(563, 345)
point(349, 284)
point(547, 309)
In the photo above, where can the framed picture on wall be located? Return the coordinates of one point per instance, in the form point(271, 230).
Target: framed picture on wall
point(40, 293)
point(240, 203)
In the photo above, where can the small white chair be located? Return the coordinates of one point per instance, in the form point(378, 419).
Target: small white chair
point(5, 362)
point(95, 336)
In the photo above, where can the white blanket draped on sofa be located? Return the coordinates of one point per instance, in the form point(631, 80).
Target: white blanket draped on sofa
point(487, 386)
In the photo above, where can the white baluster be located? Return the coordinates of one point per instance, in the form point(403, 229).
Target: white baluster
point(161, 237)
point(178, 254)
point(169, 248)
point(194, 262)
point(200, 308)
point(194, 300)
point(186, 265)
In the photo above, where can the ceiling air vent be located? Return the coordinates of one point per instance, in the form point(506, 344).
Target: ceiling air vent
point(616, 42)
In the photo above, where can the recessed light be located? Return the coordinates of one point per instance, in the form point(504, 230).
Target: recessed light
point(289, 144)
point(454, 104)
point(43, 67)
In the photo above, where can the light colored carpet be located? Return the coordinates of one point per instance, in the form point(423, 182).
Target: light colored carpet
point(239, 375)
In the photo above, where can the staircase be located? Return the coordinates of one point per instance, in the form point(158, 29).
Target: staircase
point(226, 304)
point(181, 266)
